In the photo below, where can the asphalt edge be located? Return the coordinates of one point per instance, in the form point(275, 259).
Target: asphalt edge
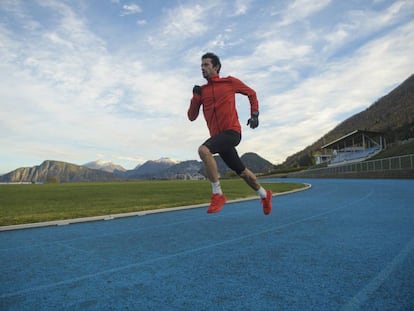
point(131, 214)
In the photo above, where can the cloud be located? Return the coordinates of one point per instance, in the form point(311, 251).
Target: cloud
point(273, 51)
point(299, 10)
point(360, 24)
point(185, 21)
point(241, 7)
point(130, 9)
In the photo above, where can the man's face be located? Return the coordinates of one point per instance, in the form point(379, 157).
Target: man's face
point(207, 68)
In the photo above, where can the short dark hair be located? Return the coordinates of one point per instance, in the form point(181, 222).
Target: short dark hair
point(215, 60)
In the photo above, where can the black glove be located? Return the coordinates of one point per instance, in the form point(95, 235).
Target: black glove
point(197, 89)
point(254, 120)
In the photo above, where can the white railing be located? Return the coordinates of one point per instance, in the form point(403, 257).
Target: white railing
point(405, 162)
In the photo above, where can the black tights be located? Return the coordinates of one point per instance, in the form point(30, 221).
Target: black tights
point(224, 144)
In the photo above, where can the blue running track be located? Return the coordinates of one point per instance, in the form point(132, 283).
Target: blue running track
point(341, 245)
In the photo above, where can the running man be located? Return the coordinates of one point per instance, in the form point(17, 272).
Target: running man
point(219, 108)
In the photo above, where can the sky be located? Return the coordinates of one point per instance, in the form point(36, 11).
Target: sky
point(111, 80)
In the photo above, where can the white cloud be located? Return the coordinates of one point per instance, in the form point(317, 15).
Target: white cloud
point(241, 7)
point(299, 10)
point(359, 24)
point(185, 21)
point(272, 51)
point(129, 9)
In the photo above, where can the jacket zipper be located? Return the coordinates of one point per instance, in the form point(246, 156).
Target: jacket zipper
point(214, 106)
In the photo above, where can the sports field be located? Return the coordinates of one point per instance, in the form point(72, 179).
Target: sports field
point(341, 245)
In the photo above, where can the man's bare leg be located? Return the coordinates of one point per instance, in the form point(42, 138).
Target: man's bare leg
point(251, 179)
point(266, 195)
point(212, 171)
point(218, 199)
point(209, 163)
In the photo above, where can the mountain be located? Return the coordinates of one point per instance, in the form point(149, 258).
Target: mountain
point(56, 171)
point(256, 163)
point(150, 169)
point(104, 166)
point(393, 114)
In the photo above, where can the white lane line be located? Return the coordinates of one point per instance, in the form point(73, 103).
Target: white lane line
point(356, 302)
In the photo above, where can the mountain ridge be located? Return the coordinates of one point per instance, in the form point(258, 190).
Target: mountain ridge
point(58, 171)
point(52, 171)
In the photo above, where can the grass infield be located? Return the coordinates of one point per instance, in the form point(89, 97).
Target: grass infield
point(20, 204)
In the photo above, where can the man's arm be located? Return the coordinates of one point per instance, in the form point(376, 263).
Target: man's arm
point(195, 104)
point(241, 88)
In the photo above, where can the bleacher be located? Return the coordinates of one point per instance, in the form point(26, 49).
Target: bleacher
point(349, 155)
point(354, 147)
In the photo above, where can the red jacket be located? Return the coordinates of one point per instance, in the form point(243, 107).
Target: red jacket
point(219, 103)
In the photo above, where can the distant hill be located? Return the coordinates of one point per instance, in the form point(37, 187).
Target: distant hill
point(256, 163)
point(392, 114)
point(56, 171)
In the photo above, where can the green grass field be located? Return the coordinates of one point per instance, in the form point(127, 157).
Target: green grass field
point(21, 204)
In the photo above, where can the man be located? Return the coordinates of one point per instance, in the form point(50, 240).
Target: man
point(219, 108)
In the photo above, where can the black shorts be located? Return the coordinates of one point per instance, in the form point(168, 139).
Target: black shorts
point(224, 144)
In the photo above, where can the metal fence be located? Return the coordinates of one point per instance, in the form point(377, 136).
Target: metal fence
point(405, 162)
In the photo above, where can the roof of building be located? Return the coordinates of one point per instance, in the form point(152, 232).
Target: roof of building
point(355, 136)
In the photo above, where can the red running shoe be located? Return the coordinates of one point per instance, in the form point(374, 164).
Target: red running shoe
point(267, 203)
point(217, 202)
